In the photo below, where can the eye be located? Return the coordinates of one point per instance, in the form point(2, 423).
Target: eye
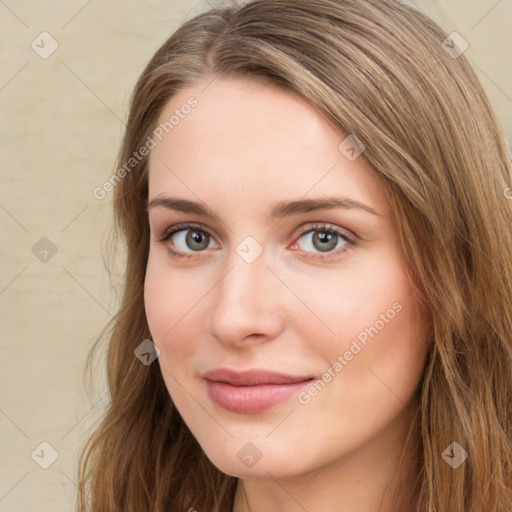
point(326, 240)
point(187, 238)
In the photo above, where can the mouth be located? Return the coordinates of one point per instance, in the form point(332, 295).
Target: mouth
point(251, 391)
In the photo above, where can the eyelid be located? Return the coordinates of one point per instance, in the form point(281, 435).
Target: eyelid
point(182, 226)
point(318, 226)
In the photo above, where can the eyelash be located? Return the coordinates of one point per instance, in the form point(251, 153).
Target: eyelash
point(327, 228)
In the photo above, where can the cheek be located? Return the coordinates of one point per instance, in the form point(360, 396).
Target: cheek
point(370, 297)
point(166, 309)
point(380, 340)
point(169, 305)
point(158, 303)
point(168, 299)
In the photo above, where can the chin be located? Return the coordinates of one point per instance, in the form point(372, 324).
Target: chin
point(255, 459)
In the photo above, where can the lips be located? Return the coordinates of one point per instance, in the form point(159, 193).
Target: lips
point(251, 391)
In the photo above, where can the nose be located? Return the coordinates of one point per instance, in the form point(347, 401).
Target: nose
point(247, 306)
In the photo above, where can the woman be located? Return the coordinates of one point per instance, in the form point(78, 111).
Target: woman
point(315, 201)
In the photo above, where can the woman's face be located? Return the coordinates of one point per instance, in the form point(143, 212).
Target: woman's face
point(290, 336)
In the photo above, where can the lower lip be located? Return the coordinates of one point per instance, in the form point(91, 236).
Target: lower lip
point(252, 399)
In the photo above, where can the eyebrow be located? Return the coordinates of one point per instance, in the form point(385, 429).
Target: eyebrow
point(278, 210)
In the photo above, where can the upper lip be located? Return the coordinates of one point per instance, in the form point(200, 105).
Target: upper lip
point(251, 377)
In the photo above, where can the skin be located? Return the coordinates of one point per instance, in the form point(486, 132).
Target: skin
point(244, 147)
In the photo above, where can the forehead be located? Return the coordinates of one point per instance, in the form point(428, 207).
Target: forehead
point(259, 141)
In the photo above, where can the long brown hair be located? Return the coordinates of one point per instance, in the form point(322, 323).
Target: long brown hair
point(388, 74)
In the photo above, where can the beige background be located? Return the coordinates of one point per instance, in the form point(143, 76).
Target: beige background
point(61, 126)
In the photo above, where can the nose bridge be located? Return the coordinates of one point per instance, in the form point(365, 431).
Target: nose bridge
point(244, 301)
